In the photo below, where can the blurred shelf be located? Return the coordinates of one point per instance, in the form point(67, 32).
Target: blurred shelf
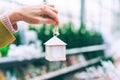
point(18, 59)
point(86, 49)
point(66, 70)
point(10, 60)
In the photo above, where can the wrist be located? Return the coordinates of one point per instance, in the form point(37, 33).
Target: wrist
point(14, 17)
point(11, 27)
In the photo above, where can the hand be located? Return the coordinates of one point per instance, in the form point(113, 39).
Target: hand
point(40, 14)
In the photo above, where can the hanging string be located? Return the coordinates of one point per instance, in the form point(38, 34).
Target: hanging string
point(56, 32)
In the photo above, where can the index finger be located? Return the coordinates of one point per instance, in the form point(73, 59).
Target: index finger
point(51, 14)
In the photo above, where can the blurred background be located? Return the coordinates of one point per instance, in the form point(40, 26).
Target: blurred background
point(91, 29)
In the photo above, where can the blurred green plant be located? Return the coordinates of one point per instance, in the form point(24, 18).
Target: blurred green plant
point(73, 37)
point(108, 59)
point(17, 36)
point(4, 51)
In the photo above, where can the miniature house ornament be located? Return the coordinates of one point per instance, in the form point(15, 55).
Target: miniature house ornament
point(55, 48)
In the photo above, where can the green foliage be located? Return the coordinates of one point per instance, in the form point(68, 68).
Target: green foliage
point(79, 38)
point(93, 54)
point(73, 37)
point(108, 59)
point(17, 36)
point(4, 51)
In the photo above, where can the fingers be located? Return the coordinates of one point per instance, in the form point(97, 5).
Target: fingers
point(48, 14)
point(46, 21)
point(51, 14)
point(50, 6)
point(53, 9)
